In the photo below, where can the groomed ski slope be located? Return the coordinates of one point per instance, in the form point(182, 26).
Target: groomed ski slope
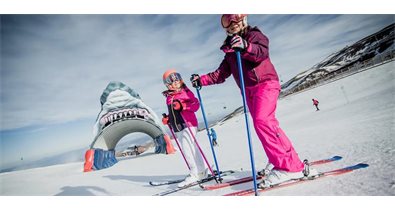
point(356, 121)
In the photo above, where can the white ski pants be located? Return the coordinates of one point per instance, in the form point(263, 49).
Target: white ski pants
point(191, 151)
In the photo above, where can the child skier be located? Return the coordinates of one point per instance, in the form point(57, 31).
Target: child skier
point(182, 105)
point(262, 90)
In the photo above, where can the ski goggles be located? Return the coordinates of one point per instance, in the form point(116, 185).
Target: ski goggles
point(173, 77)
point(228, 19)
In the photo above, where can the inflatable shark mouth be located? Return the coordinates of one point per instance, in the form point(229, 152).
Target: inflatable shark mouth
point(123, 112)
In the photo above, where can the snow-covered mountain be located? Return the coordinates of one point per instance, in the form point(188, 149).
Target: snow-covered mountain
point(370, 47)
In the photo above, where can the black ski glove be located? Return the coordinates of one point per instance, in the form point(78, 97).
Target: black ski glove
point(195, 79)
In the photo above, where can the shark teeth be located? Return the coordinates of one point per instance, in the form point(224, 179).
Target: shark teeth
point(112, 116)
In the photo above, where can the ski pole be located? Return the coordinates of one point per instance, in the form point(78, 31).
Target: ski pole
point(246, 119)
point(200, 149)
point(208, 132)
point(179, 147)
point(178, 144)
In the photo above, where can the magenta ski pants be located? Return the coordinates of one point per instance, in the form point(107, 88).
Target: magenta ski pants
point(262, 102)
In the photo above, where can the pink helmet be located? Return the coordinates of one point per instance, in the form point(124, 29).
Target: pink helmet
point(227, 19)
point(170, 76)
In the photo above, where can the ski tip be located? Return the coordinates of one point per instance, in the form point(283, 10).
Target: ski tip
point(336, 157)
point(363, 165)
point(151, 183)
point(357, 166)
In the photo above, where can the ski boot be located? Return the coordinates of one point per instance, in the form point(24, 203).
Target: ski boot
point(277, 177)
point(266, 170)
point(308, 171)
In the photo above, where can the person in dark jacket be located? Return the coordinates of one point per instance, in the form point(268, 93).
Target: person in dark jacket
point(262, 89)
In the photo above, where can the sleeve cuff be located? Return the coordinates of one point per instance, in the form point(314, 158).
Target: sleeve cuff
point(203, 80)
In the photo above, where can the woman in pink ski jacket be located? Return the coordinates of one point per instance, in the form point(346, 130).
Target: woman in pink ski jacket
point(315, 103)
point(262, 90)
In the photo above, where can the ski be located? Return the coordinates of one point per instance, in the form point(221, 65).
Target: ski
point(156, 183)
point(249, 178)
point(210, 178)
point(298, 181)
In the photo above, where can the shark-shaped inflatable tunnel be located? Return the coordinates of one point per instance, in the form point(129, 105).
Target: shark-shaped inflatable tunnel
point(122, 113)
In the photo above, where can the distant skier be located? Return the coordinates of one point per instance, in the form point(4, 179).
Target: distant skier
point(315, 103)
point(262, 91)
point(213, 137)
point(180, 99)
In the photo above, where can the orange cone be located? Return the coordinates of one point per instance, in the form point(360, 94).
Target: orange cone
point(89, 158)
point(169, 146)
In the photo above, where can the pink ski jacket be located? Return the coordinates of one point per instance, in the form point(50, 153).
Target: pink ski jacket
point(190, 105)
point(256, 63)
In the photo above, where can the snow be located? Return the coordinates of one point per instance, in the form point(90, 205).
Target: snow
point(356, 121)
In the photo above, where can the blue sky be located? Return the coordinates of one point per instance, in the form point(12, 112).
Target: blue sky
point(55, 67)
